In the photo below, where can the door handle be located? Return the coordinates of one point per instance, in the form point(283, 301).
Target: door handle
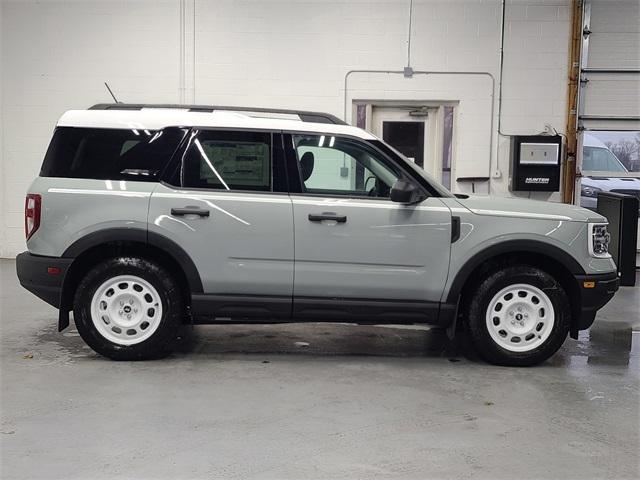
point(180, 212)
point(318, 217)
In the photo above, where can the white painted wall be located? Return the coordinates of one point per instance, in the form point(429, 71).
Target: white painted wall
point(3, 224)
point(274, 53)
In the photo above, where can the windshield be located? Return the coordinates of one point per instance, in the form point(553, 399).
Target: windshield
point(600, 159)
point(399, 157)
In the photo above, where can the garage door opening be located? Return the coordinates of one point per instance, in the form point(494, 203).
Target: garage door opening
point(610, 163)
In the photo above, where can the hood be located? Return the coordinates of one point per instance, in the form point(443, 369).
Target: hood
point(612, 183)
point(523, 208)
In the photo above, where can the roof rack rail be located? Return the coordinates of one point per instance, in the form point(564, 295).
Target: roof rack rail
point(315, 117)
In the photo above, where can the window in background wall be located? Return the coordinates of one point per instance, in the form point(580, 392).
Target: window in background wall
point(608, 159)
point(447, 145)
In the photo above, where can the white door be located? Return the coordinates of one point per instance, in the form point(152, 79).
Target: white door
point(416, 132)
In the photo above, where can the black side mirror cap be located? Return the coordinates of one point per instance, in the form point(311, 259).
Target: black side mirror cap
point(404, 191)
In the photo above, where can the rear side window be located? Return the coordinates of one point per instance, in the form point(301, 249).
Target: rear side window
point(228, 160)
point(110, 154)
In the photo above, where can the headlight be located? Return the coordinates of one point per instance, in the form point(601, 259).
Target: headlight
point(599, 240)
point(589, 191)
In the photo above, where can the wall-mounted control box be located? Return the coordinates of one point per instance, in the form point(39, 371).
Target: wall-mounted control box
point(535, 163)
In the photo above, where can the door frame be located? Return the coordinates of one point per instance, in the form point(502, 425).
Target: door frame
point(363, 111)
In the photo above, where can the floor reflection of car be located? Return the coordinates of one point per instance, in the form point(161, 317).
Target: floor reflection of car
point(596, 157)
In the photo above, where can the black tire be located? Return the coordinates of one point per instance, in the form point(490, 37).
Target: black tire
point(480, 301)
point(160, 343)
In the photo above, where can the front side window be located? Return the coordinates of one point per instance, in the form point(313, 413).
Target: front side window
point(331, 165)
point(228, 160)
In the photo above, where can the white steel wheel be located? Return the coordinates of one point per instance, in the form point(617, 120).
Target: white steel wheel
point(126, 309)
point(520, 317)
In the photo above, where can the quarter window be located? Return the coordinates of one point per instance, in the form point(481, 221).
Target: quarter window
point(228, 160)
point(110, 154)
point(332, 165)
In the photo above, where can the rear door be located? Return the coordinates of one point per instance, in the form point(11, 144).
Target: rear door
point(357, 253)
point(227, 206)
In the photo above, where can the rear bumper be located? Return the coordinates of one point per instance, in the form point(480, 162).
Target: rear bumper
point(595, 293)
point(43, 276)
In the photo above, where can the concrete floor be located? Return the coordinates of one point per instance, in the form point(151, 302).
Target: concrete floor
point(351, 402)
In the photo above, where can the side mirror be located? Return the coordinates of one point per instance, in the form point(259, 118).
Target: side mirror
point(404, 192)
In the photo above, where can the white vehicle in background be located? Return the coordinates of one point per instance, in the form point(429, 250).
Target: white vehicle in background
point(597, 157)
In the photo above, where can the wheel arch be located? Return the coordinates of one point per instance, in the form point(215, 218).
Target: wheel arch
point(545, 256)
point(96, 246)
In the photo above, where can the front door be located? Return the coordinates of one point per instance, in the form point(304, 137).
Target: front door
point(228, 208)
point(357, 253)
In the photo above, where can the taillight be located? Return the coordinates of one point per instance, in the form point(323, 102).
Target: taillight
point(32, 208)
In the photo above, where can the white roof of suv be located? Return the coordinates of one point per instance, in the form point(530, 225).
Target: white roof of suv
point(141, 117)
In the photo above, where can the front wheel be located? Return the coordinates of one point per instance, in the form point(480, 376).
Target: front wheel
point(128, 308)
point(518, 316)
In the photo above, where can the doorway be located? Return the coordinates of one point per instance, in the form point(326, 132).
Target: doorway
point(421, 131)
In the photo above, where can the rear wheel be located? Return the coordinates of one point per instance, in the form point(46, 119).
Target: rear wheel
point(518, 316)
point(128, 308)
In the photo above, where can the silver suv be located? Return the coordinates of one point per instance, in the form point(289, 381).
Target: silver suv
point(147, 217)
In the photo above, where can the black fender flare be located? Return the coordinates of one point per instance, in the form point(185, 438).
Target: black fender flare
point(139, 235)
point(511, 246)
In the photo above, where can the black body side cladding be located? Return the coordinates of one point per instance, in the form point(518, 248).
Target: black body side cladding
point(365, 310)
point(593, 299)
point(47, 278)
point(141, 236)
point(240, 306)
point(511, 246)
point(33, 274)
point(265, 309)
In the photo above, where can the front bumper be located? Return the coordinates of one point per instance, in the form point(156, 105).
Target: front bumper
point(595, 293)
point(43, 276)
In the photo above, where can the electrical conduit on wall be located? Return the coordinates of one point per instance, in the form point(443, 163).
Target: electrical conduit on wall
point(187, 52)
